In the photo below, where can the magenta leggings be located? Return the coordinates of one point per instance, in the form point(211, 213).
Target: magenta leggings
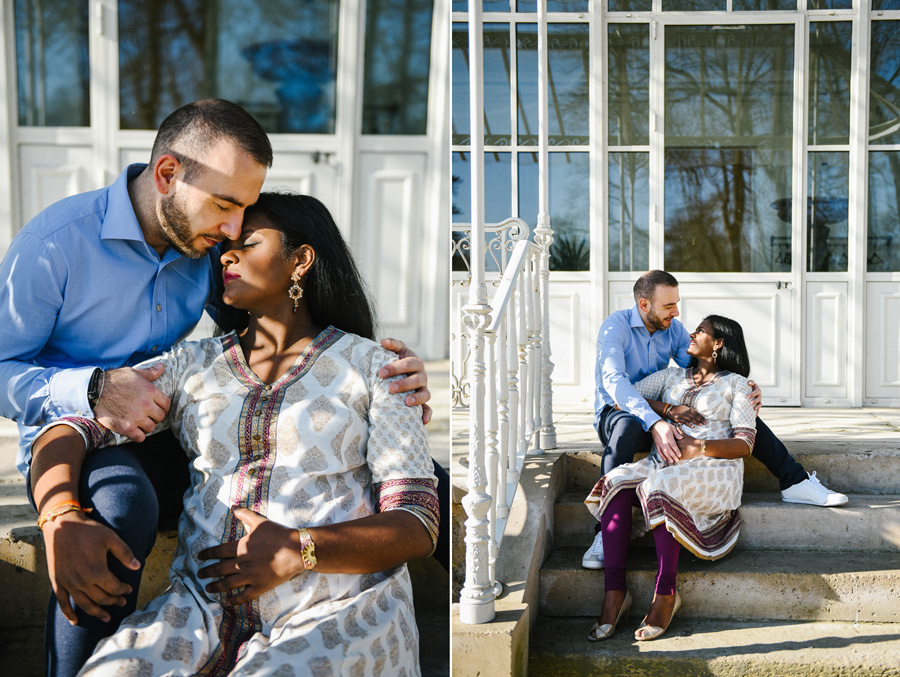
point(615, 524)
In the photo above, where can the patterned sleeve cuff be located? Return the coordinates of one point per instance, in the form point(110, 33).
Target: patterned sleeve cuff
point(746, 434)
point(417, 496)
point(94, 434)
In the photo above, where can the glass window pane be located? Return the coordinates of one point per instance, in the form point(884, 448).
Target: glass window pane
point(528, 188)
point(629, 84)
point(526, 83)
point(569, 205)
point(553, 5)
point(459, 69)
point(568, 88)
point(497, 181)
point(497, 199)
point(629, 211)
point(279, 61)
point(728, 147)
point(762, 5)
point(570, 209)
point(494, 6)
point(885, 4)
point(569, 91)
point(630, 5)
point(52, 63)
point(397, 63)
point(828, 186)
point(693, 5)
point(883, 251)
point(884, 82)
point(497, 123)
point(829, 82)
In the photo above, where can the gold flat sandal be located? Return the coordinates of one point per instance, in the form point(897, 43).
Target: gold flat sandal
point(647, 632)
point(600, 632)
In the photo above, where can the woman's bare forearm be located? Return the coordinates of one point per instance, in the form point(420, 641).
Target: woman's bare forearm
point(370, 544)
point(56, 463)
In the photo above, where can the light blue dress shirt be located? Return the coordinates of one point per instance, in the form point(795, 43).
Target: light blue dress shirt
point(82, 289)
point(626, 353)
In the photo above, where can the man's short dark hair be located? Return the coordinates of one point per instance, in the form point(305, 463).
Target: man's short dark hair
point(197, 127)
point(646, 284)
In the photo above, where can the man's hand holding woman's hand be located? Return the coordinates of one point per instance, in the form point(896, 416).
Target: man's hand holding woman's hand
point(130, 404)
point(755, 396)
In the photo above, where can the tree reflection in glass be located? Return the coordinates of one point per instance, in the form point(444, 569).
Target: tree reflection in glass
point(279, 61)
point(728, 108)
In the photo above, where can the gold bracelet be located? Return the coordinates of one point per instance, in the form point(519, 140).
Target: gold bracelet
point(61, 509)
point(666, 410)
point(703, 447)
point(307, 550)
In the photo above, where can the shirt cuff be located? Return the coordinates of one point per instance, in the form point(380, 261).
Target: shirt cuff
point(68, 389)
point(649, 418)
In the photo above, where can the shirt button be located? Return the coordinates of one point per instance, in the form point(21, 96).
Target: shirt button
point(256, 437)
point(153, 348)
point(158, 307)
point(265, 398)
point(257, 412)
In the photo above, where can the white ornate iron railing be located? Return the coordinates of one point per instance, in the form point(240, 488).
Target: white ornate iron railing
point(508, 356)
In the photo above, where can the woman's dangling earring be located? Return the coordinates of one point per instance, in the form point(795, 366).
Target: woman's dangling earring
point(715, 354)
point(296, 291)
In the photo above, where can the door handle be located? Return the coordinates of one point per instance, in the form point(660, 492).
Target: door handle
point(786, 285)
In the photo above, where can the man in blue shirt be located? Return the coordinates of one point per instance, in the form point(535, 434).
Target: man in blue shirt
point(92, 285)
point(636, 342)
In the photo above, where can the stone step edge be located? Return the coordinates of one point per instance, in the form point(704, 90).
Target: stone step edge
point(716, 648)
point(747, 584)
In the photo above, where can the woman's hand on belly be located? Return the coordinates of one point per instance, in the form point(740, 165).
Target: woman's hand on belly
point(685, 415)
point(265, 557)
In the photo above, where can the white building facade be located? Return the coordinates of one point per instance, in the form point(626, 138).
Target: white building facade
point(749, 147)
point(353, 94)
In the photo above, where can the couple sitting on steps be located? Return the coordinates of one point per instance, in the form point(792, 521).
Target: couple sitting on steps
point(691, 483)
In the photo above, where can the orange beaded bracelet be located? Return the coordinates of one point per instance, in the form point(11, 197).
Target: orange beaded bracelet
point(60, 509)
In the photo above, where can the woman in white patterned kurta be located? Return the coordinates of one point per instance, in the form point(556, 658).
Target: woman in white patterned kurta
point(321, 444)
point(695, 502)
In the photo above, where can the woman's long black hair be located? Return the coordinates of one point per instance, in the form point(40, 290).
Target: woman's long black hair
point(333, 290)
point(733, 353)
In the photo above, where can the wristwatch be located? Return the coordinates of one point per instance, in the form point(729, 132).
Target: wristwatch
point(95, 387)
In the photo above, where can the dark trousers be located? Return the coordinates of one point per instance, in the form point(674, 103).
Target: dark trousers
point(623, 436)
point(136, 490)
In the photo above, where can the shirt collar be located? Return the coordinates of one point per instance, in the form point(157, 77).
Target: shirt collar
point(120, 222)
point(638, 323)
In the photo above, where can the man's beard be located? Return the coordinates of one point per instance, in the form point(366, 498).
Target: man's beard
point(655, 320)
point(176, 228)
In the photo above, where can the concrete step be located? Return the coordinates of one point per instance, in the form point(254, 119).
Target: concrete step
point(694, 648)
point(859, 466)
point(747, 585)
point(867, 522)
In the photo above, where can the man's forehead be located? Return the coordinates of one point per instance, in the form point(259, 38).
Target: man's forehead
point(665, 295)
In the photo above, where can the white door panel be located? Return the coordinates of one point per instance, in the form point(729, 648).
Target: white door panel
point(882, 343)
point(387, 238)
point(826, 341)
point(48, 173)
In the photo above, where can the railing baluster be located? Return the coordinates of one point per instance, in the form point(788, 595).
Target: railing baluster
point(491, 455)
point(503, 497)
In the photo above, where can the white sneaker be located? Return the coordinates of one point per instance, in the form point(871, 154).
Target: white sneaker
point(812, 492)
point(593, 558)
